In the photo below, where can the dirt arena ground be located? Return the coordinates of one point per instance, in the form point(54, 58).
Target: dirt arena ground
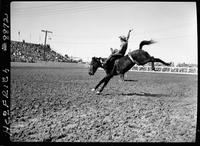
point(54, 103)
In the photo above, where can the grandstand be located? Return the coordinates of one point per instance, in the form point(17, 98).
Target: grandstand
point(28, 52)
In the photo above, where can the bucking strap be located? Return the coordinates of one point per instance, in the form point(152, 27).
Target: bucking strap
point(134, 61)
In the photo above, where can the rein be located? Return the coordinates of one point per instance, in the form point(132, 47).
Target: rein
point(101, 62)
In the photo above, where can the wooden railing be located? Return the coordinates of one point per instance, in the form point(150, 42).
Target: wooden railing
point(163, 69)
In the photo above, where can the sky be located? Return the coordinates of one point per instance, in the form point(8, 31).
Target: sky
point(85, 29)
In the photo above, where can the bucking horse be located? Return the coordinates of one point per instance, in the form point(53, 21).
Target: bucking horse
point(123, 64)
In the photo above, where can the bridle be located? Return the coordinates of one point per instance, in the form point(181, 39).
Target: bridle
point(99, 62)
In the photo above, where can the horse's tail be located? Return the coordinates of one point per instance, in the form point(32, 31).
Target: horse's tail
point(146, 43)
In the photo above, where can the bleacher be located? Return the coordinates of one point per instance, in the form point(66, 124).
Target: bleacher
point(28, 52)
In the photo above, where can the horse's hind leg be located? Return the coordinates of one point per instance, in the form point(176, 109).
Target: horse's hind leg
point(152, 66)
point(161, 61)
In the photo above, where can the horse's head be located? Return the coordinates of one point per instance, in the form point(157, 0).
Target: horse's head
point(94, 65)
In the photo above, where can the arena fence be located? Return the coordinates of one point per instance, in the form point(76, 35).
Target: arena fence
point(163, 69)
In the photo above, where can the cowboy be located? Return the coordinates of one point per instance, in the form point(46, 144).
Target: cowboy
point(119, 53)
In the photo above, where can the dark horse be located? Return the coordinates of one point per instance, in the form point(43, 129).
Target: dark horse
point(97, 62)
point(124, 64)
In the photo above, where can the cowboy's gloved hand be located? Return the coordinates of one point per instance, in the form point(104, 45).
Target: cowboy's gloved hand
point(130, 30)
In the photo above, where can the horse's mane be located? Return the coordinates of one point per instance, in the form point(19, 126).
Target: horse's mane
point(103, 59)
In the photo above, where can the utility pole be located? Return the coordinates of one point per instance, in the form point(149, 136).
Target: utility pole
point(19, 38)
point(30, 37)
point(45, 40)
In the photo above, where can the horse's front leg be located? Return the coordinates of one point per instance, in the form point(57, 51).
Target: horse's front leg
point(103, 80)
point(107, 79)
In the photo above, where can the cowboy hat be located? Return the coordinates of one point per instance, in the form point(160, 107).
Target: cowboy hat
point(123, 38)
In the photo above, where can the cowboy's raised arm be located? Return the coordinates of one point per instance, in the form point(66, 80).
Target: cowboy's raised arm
point(129, 34)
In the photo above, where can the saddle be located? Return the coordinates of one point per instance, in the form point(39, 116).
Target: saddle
point(111, 61)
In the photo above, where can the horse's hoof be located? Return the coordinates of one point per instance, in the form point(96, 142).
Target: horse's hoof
point(93, 90)
point(98, 92)
point(169, 64)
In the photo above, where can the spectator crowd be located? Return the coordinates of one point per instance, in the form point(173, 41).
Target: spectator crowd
point(28, 52)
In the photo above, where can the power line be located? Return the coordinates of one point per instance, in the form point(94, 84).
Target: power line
point(64, 11)
point(74, 5)
point(105, 43)
point(90, 43)
point(69, 7)
point(161, 36)
point(166, 28)
point(36, 7)
point(176, 37)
